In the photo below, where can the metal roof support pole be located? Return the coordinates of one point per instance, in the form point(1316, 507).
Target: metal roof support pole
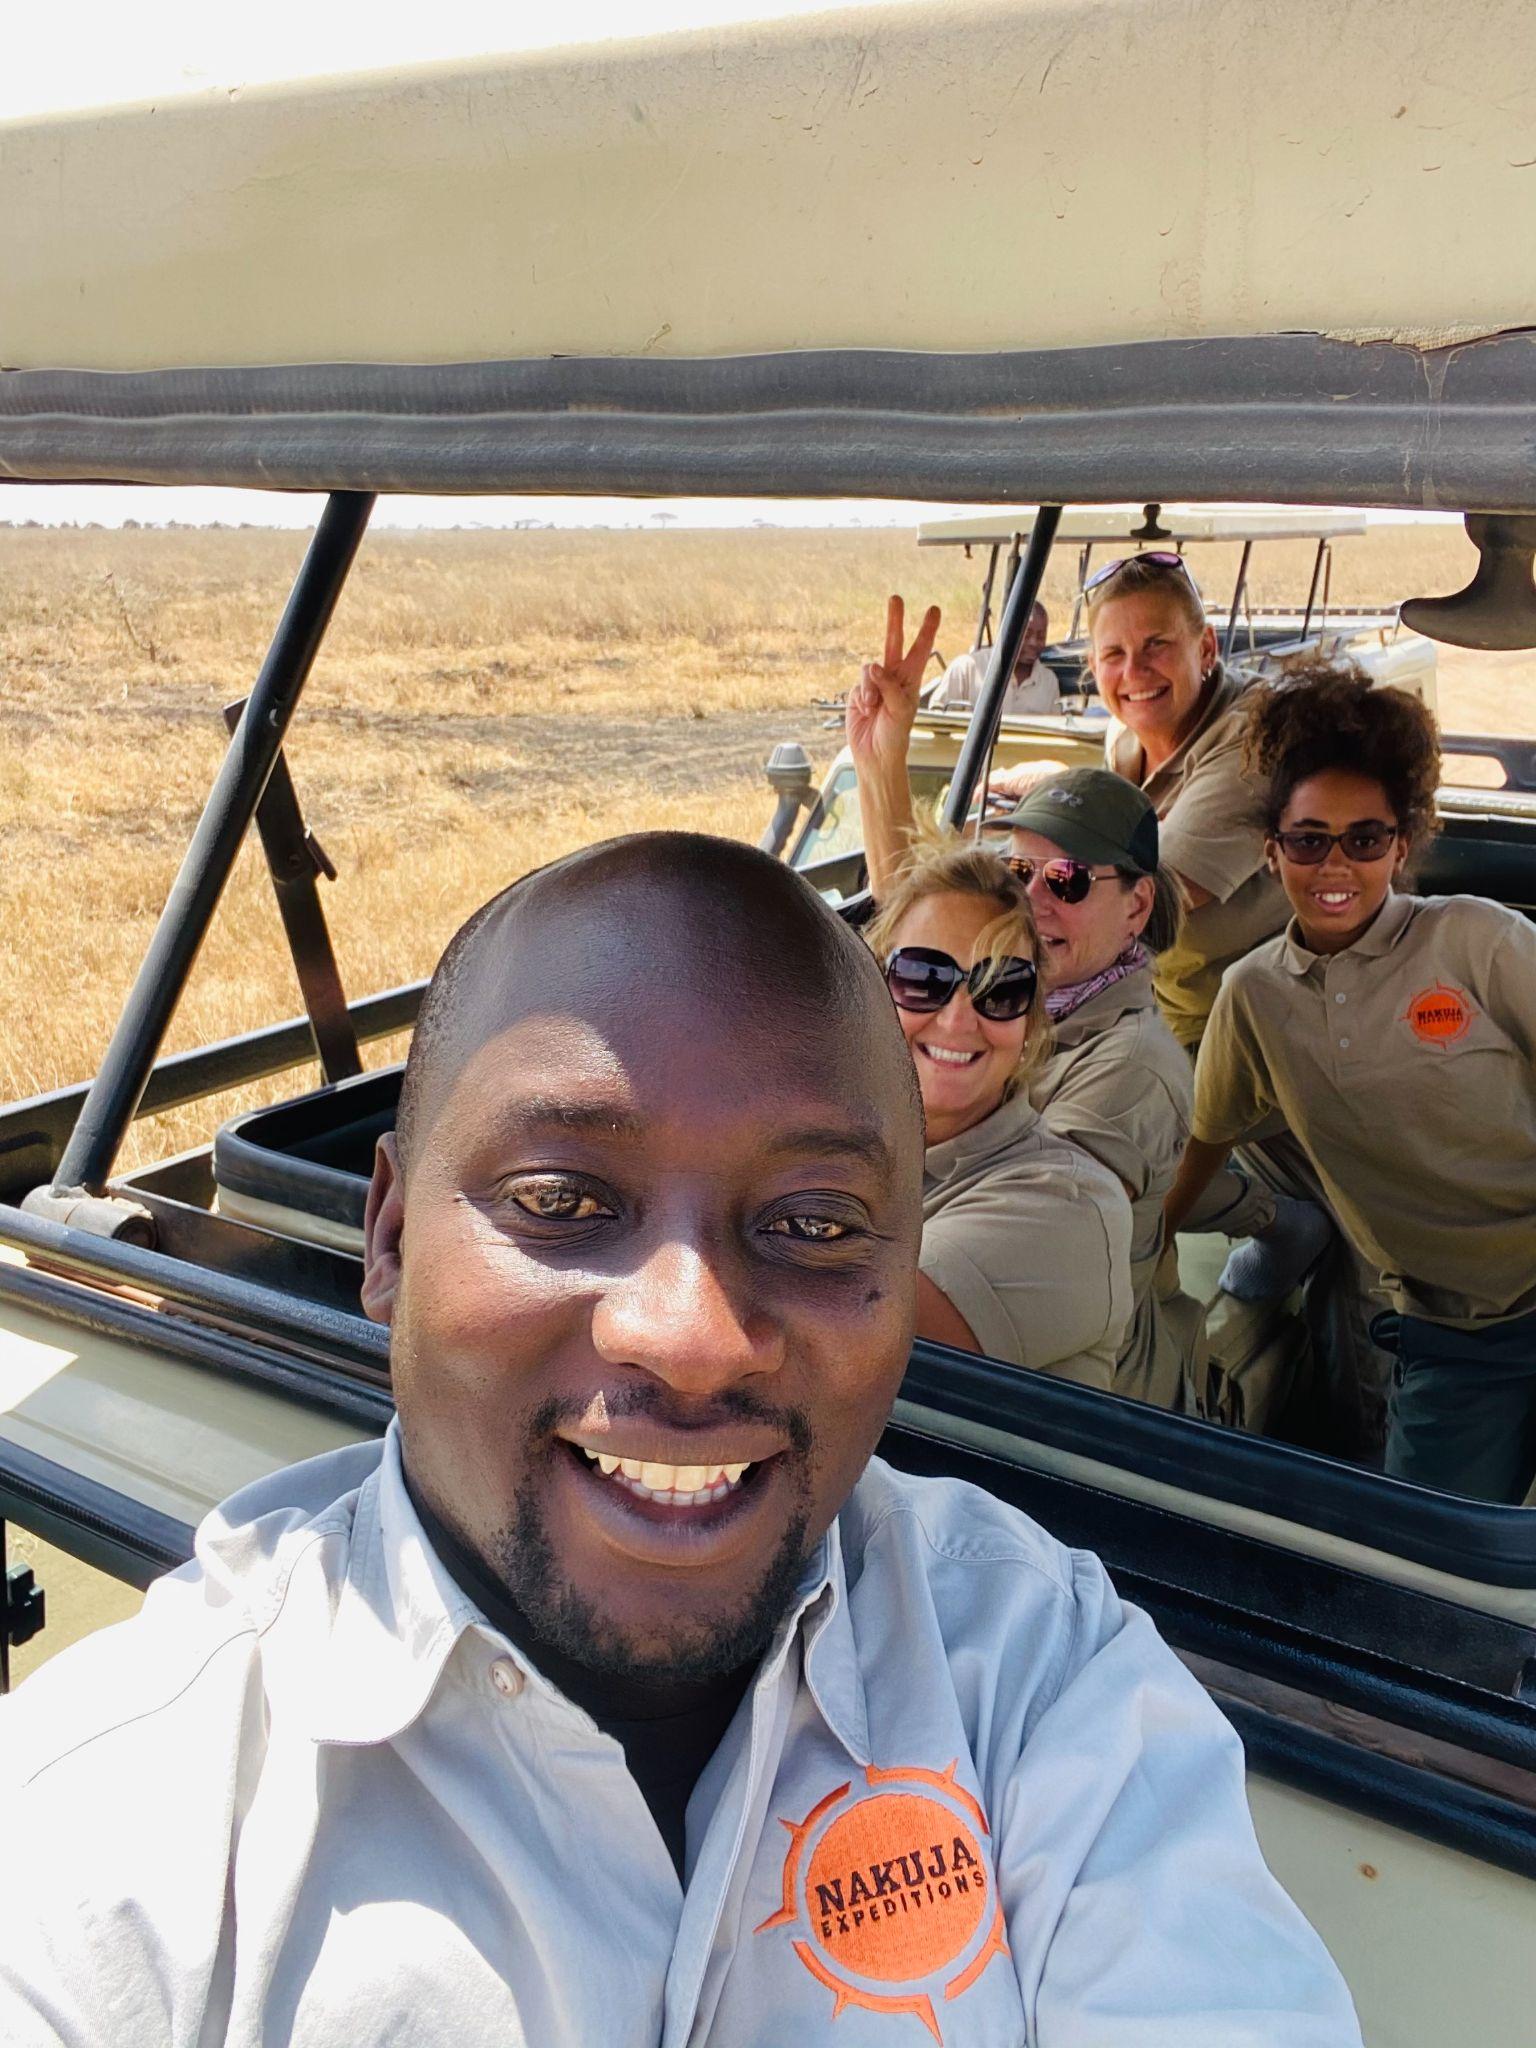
point(981, 733)
point(1317, 571)
point(1239, 590)
point(985, 621)
point(296, 860)
point(1082, 584)
point(114, 1095)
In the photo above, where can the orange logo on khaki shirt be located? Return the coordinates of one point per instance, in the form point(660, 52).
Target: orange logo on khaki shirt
point(1439, 1015)
point(891, 1886)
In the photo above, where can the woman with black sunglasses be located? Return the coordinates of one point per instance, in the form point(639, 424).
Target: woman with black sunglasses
point(1397, 1037)
point(1085, 848)
point(1026, 1238)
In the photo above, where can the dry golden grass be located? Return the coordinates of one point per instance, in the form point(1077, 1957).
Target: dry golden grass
point(483, 702)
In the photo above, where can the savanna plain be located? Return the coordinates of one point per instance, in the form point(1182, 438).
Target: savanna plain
point(484, 701)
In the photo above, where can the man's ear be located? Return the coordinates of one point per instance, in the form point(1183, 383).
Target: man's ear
point(383, 1232)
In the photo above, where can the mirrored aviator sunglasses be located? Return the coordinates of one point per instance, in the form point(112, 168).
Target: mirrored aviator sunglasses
point(1068, 880)
point(921, 978)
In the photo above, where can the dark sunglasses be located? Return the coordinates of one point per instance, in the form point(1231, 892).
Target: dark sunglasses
point(1068, 880)
point(1163, 558)
point(1368, 841)
point(921, 979)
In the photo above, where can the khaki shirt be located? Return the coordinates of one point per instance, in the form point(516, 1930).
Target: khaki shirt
point(1038, 691)
point(1030, 1239)
point(1407, 1068)
point(1119, 1086)
point(311, 1797)
point(1210, 833)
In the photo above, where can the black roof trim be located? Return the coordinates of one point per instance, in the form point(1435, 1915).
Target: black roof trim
point(1290, 417)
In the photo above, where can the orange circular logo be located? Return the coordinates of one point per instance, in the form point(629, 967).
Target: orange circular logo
point(892, 1890)
point(1439, 1015)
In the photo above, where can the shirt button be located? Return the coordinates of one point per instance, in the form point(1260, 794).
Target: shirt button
point(1343, 1045)
point(1338, 999)
point(506, 1678)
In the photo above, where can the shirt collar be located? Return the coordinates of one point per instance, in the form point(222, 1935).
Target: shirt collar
point(832, 1670)
point(1122, 998)
point(1013, 1119)
point(1388, 926)
point(399, 1616)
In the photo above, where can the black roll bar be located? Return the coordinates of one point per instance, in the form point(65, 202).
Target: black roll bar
point(1239, 590)
point(981, 733)
point(114, 1095)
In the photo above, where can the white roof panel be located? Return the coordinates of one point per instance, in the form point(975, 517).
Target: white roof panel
point(976, 175)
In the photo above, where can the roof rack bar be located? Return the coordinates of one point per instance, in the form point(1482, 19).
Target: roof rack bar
point(125, 1069)
point(1023, 591)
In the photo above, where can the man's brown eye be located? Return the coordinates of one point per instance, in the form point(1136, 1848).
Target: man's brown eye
point(813, 1229)
point(555, 1201)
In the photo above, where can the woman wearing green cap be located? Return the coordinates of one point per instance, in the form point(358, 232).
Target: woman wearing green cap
point(1116, 1083)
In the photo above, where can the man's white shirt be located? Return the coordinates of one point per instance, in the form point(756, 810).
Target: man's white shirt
point(1027, 695)
point(311, 1797)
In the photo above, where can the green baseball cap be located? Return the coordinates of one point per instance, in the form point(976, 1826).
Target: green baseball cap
point(1092, 815)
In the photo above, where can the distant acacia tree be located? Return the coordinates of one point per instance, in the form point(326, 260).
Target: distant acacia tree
point(664, 519)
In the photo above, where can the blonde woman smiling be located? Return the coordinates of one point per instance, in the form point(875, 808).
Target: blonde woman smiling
point(1026, 1237)
point(1084, 847)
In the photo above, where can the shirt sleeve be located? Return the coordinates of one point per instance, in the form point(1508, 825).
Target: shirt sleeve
point(1213, 833)
point(1512, 985)
point(1232, 1085)
point(1113, 1107)
point(1041, 1273)
point(1126, 1834)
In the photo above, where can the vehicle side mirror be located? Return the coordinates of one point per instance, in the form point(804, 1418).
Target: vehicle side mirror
point(788, 769)
point(1498, 607)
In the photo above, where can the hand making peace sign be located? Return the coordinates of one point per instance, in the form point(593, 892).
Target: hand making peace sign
point(883, 703)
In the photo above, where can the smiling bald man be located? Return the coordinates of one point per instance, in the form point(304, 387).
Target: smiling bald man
point(619, 1697)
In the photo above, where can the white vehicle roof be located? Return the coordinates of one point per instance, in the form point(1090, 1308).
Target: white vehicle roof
point(1115, 523)
point(972, 174)
point(1081, 250)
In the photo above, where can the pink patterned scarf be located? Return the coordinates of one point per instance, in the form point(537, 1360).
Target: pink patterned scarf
point(1061, 1002)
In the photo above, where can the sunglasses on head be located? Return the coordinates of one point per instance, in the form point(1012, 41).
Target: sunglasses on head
point(1068, 880)
point(1366, 841)
point(1163, 557)
point(919, 978)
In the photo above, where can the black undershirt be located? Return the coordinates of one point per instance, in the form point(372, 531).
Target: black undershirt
point(668, 1730)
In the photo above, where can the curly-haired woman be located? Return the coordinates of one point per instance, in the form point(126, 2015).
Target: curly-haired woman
point(1397, 1037)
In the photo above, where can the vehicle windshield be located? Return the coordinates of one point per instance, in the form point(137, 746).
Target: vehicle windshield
point(836, 826)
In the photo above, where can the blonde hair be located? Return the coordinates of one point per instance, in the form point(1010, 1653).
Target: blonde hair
point(946, 865)
point(1170, 906)
point(1138, 574)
